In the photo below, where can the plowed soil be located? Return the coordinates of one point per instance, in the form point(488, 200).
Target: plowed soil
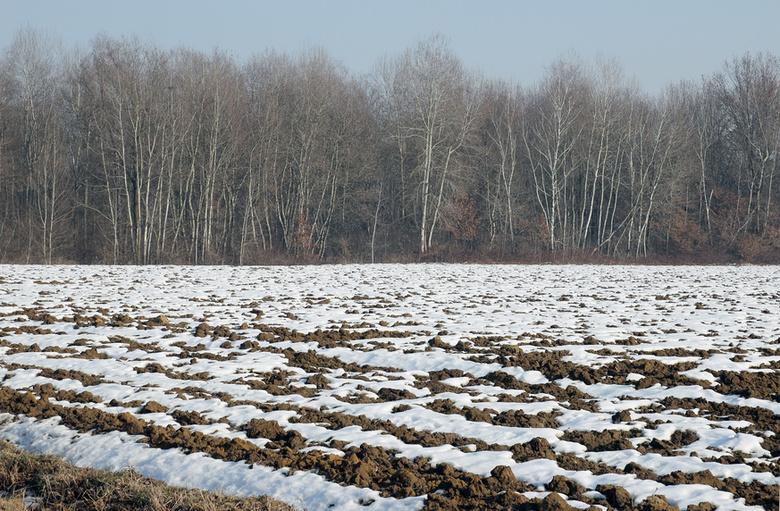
point(612, 396)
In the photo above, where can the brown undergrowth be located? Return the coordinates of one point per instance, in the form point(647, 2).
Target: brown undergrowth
point(47, 482)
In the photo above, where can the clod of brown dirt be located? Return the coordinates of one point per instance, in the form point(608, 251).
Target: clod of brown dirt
point(764, 385)
point(755, 493)
point(535, 449)
point(641, 472)
point(203, 330)
point(221, 331)
point(506, 478)
point(44, 391)
point(646, 383)
point(436, 342)
point(260, 428)
point(390, 394)
point(133, 345)
point(186, 418)
point(160, 320)
point(154, 367)
point(405, 478)
point(153, 407)
point(617, 496)
point(47, 319)
point(607, 440)
point(703, 477)
point(704, 506)
point(26, 329)
point(448, 373)
point(363, 472)
point(132, 426)
point(554, 502)
point(68, 374)
point(475, 487)
point(249, 345)
point(510, 499)
point(569, 461)
point(477, 415)
point(94, 320)
point(505, 380)
point(233, 449)
point(121, 320)
point(656, 503)
point(621, 416)
point(135, 403)
point(518, 419)
point(318, 379)
point(565, 486)
point(312, 361)
point(81, 397)
point(91, 354)
point(435, 386)
point(678, 440)
point(57, 349)
point(443, 406)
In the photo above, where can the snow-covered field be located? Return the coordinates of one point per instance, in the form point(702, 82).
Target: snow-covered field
point(404, 386)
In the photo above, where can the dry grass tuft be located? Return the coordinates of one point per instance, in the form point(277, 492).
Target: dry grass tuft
point(57, 485)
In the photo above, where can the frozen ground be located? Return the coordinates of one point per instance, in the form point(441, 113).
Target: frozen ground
point(404, 386)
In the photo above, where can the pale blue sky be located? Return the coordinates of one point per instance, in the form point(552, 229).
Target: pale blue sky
point(657, 42)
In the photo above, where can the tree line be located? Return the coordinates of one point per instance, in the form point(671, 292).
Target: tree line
point(127, 153)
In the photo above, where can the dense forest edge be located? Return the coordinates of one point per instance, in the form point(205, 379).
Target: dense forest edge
point(125, 153)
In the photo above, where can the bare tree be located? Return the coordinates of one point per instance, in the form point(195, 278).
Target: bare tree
point(603, 154)
point(500, 129)
point(435, 101)
point(749, 91)
point(35, 90)
point(553, 128)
